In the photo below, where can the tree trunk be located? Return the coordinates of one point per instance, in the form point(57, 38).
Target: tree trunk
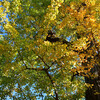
point(91, 92)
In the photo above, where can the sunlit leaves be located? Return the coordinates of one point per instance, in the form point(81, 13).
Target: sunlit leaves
point(12, 30)
point(32, 62)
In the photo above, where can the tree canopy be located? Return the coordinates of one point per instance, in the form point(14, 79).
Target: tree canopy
point(49, 48)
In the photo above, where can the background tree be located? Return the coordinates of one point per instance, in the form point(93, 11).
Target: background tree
point(31, 64)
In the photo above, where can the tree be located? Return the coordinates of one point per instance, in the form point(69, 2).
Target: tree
point(64, 65)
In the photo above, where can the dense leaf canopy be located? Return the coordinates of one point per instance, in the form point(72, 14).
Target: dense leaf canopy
point(31, 65)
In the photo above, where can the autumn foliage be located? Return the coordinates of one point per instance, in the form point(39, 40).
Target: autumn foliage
point(31, 65)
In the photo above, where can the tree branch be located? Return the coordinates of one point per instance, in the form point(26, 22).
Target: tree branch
point(56, 98)
point(32, 68)
point(44, 62)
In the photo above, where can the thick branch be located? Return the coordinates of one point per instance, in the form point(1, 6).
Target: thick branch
point(52, 38)
point(56, 98)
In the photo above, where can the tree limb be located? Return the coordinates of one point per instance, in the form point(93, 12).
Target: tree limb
point(56, 98)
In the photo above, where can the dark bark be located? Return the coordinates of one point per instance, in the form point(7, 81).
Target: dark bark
point(90, 92)
point(52, 38)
